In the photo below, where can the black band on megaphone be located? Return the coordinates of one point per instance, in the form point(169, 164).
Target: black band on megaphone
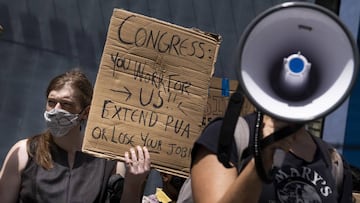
point(226, 139)
point(260, 143)
point(256, 150)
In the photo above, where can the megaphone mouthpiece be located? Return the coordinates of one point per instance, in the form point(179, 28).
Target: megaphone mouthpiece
point(294, 79)
point(297, 64)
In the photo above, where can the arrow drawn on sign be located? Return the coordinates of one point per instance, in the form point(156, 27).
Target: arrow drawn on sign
point(126, 91)
point(179, 107)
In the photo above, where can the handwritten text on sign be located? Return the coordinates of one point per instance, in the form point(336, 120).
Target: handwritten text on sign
point(151, 90)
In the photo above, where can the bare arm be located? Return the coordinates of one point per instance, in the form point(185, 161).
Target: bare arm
point(10, 174)
point(137, 164)
point(212, 182)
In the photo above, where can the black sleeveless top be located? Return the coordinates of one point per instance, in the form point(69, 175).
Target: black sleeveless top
point(85, 183)
point(297, 180)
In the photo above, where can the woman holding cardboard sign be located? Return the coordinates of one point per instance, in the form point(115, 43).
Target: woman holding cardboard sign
point(50, 167)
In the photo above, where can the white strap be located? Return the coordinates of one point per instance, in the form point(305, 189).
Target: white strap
point(241, 136)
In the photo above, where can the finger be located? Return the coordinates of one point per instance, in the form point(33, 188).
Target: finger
point(146, 153)
point(133, 155)
point(140, 153)
point(147, 161)
point(127, 159)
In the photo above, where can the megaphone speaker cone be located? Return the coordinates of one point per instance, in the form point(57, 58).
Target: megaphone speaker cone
point(297, 61)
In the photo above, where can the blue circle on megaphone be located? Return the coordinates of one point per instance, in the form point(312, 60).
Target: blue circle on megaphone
point(296, 65)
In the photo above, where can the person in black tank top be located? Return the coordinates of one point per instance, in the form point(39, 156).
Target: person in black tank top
point(304, 175)
point(50, 167)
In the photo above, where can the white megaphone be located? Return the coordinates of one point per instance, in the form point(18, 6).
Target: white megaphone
point(297, 62)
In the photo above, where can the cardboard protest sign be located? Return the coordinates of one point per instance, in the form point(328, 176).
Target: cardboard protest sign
point(220, 92)
point(151, 90)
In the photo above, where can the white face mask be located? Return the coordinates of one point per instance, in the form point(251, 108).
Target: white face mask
point(60, 122)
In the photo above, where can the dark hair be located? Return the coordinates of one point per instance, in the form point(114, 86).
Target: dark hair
point(38, 146)
point(77, 80)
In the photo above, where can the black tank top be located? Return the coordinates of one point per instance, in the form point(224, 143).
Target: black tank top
point(84, 183)
point(296, 181)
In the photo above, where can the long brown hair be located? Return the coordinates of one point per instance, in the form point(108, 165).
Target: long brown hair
point(38, 146)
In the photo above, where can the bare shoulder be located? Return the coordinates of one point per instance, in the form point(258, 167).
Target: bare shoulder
point(23, 154)
point(10, 174)
point(20, 148)
point(17, 156)
point(21, 144)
